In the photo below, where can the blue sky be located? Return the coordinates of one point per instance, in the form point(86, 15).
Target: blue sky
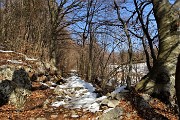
point(110, 15)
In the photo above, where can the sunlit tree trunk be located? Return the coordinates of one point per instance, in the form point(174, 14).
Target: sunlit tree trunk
point(160, 81)
point(130, 50)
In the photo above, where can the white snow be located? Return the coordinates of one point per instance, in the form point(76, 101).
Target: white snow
point(80, 94)
point(93, 107)
point(30, 59)
point(73, 71)
point(77, 82)
point(74, 116)
point(136, 68)
point(51, 87)
point(101, 98)
point(6, 51)
point(59, 103)
point(44, 84)
point(27, 58)
point(83, 96)
point(15, 61)
point(119, 89)
point(107, 110)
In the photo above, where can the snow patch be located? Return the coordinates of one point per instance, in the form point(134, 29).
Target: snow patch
point(119, 89)
point(58, 103)
point(30, 59)
point(107, 110)
point(74, 116)
point(15, 61)
point(80, 94)
point(6, 51)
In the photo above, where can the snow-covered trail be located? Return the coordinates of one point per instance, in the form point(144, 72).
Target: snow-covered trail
point(76, 93)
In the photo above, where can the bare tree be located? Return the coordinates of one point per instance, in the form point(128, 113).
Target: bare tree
point(160, 80)
point(58, 12)
point(130, 51)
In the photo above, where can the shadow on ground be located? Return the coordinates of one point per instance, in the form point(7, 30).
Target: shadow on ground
point(143, 108)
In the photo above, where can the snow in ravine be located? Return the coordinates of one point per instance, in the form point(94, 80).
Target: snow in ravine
point(80, 94)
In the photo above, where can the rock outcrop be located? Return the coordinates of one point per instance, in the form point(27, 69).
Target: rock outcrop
point(15, 90)
point(17, 74)
point(114, 114)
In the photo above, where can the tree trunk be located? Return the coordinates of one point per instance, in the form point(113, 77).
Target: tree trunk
point(147, 54)
point(160, 81)
point(54, 25)
point(130, 53)
point(53, 48)
point(177, 81)
point(130, 49)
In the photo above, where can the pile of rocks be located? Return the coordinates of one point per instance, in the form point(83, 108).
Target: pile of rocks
point(16, 80)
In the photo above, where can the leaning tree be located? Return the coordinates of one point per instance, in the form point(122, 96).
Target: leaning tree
point(160, 81)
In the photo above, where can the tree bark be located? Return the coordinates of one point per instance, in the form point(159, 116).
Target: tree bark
point(160, 81)
point(177, 82)
point(130, 49)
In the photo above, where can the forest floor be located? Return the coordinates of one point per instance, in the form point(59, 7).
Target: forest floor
point(35, 110)
point(38, 105)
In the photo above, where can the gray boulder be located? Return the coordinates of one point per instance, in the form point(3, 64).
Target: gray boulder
point(18, 97)
point(110, 103)
point(6, 72)
point(21, 79)
point(113, 114)
point(6, 88)
point(16, 90)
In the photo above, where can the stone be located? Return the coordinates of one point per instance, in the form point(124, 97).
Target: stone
point(46, 102)
point(113, 103)
point(105, 102)
point(66, 115)
point(110, 103)
point(117, 96)
point(6, 72)
point(59, 91)
point(128, 115)
point(146, 97)
point(31, 72)
point(16, 90)
point(113, 114)
point(40, 68)
point(42, 78)
point(120, 96)
point(21, 79)
point(7, 87)
point(141, 103)
point(50, 68)
point(18, 97)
